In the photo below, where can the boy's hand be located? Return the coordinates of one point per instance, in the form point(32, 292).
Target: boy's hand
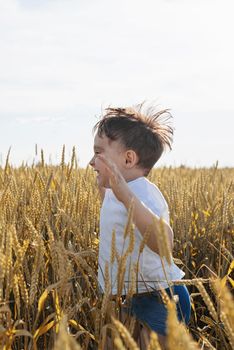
point(116, 180)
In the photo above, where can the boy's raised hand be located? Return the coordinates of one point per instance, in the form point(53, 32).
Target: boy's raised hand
point(116, 180)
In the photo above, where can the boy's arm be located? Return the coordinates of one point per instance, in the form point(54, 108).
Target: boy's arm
point(143, 218)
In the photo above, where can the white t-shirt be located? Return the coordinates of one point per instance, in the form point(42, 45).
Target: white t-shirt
point(114, 217)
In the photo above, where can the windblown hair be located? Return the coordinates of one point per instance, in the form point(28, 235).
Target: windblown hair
point(147, 133)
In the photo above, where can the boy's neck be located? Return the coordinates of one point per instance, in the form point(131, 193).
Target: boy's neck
point(138, 177)
point(133, 175)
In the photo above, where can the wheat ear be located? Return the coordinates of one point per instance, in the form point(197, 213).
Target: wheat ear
point(128, 340)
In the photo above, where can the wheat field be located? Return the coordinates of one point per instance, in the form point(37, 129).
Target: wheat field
point(49, 222)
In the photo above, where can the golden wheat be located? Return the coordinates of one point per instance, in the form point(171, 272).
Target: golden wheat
point(49, 235)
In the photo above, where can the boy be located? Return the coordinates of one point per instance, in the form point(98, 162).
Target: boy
point(127, 144)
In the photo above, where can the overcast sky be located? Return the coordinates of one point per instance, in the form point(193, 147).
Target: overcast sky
point(63, 61)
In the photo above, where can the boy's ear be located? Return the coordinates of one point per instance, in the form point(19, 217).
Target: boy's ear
point(131, 158)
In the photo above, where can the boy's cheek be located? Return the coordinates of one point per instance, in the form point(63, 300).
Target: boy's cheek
point(98, 164)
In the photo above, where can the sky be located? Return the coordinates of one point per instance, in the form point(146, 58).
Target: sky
point(62, 62)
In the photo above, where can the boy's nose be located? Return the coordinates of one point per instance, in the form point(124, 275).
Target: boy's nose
point(92, 162)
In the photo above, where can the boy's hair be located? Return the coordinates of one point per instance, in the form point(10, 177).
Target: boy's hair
point(148, 134)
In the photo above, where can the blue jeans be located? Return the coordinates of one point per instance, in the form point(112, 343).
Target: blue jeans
point(150, 309)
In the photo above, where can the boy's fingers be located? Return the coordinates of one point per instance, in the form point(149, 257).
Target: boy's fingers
point(104, 159)
point(107, 162)
point(112, 168)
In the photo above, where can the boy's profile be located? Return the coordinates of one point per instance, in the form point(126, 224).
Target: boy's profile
point(127, 144)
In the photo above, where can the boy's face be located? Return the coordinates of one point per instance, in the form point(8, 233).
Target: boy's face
point(112, 150)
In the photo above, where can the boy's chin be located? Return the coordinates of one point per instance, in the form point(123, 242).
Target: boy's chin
point(102, 182)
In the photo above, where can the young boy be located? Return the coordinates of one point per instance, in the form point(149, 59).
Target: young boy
point(127, 144)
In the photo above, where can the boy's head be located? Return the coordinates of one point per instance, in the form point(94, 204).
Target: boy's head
point(141, 136)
